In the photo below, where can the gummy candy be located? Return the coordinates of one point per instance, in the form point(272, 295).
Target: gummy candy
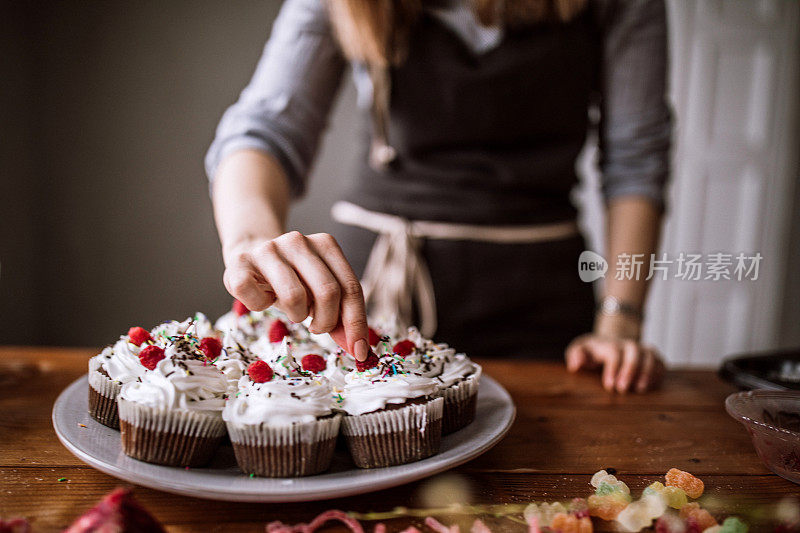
point(543, 512)
point(579, 507)
point(675, 497)
point(670, 522)
point(697, 516)
point(730, 525)
point(567, 523)
point(607, 506)
point(605, 483)
point(611, 496)
point(691, 485)
point(641, 513)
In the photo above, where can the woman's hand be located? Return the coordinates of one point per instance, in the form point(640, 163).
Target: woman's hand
point(614, 345)
point(303, 276)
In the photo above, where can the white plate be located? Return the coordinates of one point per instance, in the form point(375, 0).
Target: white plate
point(99, 447)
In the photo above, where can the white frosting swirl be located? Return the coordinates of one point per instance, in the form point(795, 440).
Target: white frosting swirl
point(233, 361)
point(282, 401)
point(338, 364)
point(182, 380)
point(243, 329)
point(198, 325)
point(456, 369)
point(390, 382)
point(121, 361)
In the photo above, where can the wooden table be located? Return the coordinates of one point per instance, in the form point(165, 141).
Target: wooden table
point(567, 428)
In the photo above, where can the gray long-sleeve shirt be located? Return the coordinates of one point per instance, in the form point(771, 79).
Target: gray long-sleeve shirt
point(284, 108)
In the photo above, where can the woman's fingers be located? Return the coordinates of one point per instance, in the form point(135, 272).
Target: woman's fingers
point(576, 355)
point(610, 355)
point(248, 286)
point(631, 354)
point(652, 371)
point(353, 321)
point(627, 365)
point(289, 290)
point(317, 277)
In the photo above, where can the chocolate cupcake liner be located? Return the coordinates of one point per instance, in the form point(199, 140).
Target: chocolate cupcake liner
point(288, 451)
point(395, 436)
point(103, 392)
point(172, 437)
point(460, 403)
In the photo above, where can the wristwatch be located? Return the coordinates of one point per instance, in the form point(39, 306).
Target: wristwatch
point(611, 305)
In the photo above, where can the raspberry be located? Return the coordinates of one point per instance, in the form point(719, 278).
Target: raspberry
point(277, 331)
point(239, 308)
point(374, 338)
point(150, 356)
point(313, 363)
point(370, 362)
point(139, 335)
point(259, 371)
point(211, 346)
point(404, 348)
point(691, 485)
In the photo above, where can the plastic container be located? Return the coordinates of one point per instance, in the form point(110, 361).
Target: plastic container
point(773, 420)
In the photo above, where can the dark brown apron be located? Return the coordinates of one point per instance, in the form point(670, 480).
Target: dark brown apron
point(491, 139)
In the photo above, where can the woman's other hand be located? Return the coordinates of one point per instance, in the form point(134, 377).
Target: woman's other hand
point(303, 275)
point(628, 365)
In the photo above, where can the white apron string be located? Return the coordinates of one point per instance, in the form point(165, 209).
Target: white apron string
point(396, 274)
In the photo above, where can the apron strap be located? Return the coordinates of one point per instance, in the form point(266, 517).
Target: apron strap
point(396, 269)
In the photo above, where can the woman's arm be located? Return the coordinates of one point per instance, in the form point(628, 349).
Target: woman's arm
point(633, 225)
point(634, 143)
point(259, 161)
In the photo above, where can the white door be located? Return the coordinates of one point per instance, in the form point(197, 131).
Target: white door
point(735, 94)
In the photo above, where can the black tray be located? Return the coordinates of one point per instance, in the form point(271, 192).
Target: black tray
point(763, 370)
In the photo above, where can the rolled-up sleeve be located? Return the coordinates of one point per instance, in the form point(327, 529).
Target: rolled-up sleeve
point(284, 109)
point(635, 129)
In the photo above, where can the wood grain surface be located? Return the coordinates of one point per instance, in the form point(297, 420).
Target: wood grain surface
point(567, 427)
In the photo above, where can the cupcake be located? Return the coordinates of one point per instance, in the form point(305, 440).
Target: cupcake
point(110, 370)
point(393, 414)
point(281, 425)
point(172, 414)
point(457, 376)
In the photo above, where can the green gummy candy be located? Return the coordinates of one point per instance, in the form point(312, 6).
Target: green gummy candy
point(733, 525)
point(604, 489)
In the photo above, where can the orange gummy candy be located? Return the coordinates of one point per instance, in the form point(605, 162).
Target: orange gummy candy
point(605, 507)
point(567, 523)
point(703, 519)
point(692, 486)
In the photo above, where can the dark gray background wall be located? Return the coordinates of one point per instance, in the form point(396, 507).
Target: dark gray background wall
point(108, 108)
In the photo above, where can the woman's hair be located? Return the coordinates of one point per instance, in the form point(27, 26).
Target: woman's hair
point(376, 32)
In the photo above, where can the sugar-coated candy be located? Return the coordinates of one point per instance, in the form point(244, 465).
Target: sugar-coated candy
point(569, 523)
point(731, 525)
point(675, 497)
point(579, 507)
point(641, 513)
point(606, 483)
point(607, 506)
point(670, 522)
point(610, 496)
point(543, 512)
point(696, 516)
point(690, 484)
